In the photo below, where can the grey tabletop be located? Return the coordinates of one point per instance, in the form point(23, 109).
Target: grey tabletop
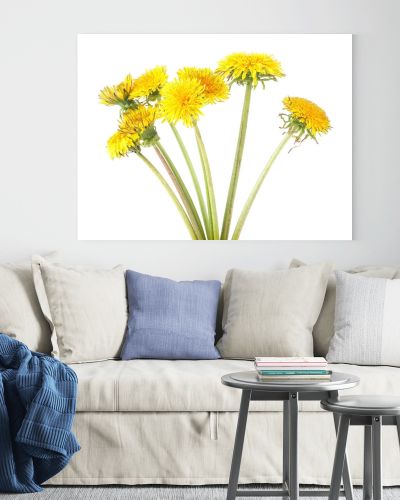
point(365, 405)
point(249, 380)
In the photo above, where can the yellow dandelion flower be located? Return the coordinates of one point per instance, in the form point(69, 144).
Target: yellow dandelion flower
point(150, 83)
point(215, 88)
point(306, 116)
point(241, 67)
point(120, 144)
point(117, 94)
point(136, 121)
point(182, 99)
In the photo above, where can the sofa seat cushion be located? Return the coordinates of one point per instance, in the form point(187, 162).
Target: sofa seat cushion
point(174, 386)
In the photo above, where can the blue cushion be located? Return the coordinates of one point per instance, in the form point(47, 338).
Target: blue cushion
point(170, 319)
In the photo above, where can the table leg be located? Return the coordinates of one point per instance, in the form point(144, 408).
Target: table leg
point(293, 446)
point(377, 457)
point(347, 481)
point(367, 486)
point(340, 455)
point(286, 447)
point(238, 447)
point(398, 428)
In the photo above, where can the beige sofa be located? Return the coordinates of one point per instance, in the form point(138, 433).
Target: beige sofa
point(173, 422)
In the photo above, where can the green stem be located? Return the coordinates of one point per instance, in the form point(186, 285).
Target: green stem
point(250, 200)
point(195, 179)
point(211, 204)
point(236, 164)
point(182, 190)
point(172, 195)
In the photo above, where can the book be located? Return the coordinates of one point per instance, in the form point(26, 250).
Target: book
point(266, 378)
point(290, 361)
point(294, 372)
point(292, 368)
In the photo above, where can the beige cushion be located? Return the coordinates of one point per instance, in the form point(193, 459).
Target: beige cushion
point(20, 314)
point(272, 313)
point(86, 309)
point(148, 385)
point(325, 328)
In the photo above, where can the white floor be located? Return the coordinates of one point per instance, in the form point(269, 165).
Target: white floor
point(153, 493)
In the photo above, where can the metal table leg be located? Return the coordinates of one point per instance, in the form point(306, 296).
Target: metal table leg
point(377, 457)
point(367, 487)
point(398, 427)
point(238, 447)
point(286, 448)
point(293, 446)
point(340, 454)
point(347, 481)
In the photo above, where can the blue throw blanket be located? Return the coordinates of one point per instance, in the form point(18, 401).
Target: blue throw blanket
point(37, 406)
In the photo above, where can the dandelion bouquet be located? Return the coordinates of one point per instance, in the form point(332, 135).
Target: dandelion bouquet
point(182, 101)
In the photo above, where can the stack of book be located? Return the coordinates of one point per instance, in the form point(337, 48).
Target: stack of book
point(292, 369)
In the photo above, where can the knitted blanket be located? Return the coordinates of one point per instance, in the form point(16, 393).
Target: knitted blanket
point(37, 407)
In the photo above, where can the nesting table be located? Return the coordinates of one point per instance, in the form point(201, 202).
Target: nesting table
point(371, 412)
point(290, 392)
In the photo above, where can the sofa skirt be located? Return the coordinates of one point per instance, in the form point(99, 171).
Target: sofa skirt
point(195, 448)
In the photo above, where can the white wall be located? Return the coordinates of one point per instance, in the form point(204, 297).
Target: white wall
point(38, 127)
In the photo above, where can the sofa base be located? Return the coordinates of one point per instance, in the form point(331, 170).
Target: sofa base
point(195, 448)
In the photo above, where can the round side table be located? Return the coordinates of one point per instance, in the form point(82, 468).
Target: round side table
point(290, 392)
point(371, 412)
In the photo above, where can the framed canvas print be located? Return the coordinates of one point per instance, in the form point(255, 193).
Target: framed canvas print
point(214, 137)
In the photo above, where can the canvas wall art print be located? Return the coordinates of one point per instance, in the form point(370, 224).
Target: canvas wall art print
point(214, 137)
